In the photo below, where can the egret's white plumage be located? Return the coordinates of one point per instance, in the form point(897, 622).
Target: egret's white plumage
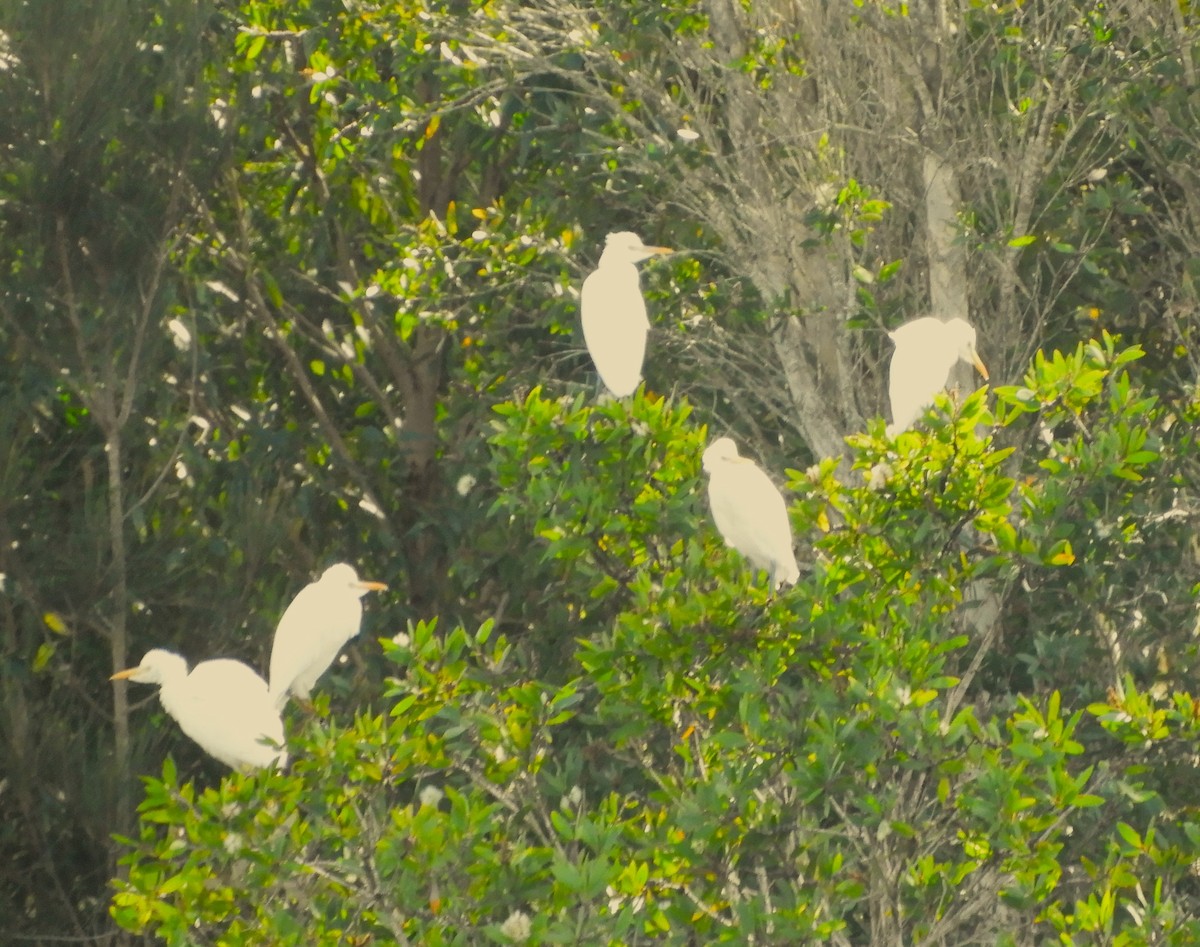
point(222, 705)
point(321, 618)
point(614, 312)
point(926, 351)
point(749, 511)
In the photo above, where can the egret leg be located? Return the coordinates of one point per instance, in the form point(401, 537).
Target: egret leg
point(306, 704)
point(602, 393)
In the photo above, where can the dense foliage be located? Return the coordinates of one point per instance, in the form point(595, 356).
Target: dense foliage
point(293, 283)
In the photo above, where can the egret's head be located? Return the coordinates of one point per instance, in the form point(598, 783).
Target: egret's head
point(626, 247)
point(721, 449)
point(156, 668)
point(343, 576)
point(962, 335)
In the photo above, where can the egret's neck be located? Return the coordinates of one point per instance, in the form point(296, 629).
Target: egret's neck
point(172, 688)
point(610, 260)
point(172, 674)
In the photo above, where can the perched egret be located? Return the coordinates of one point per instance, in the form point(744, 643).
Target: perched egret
point(749, 511)
point(614, 313)
point(926, 350)
point(222, 705)
point(322, 617)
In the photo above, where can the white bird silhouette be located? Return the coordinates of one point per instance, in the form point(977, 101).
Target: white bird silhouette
point(926, 350)
point(614, 312)
point(223, 705)
point(322, 617)
point(749, 512)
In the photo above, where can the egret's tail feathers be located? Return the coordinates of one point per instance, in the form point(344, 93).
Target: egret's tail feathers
point(785, 573)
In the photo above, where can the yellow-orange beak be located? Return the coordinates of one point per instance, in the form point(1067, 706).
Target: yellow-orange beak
point(980, 367)
point(382, 586)
point(660, 249)
point(124, 675)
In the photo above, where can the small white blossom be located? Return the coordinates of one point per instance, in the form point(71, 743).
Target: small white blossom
point(430, 796)
point(466, 483)
point(201, 422)
point(570, 802)
point(401, 639)
point(517, 926)
point(180, 336)
point(368, 507)
point(878, 477)
point(220, 288)
point(219, 111)
point(7, 59)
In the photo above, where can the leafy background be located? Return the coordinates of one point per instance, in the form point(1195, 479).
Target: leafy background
point(293, 283)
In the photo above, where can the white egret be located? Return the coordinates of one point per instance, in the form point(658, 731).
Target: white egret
point(222, 705)
point(749, 512)
point(926, 351)
point(614, 313)
point(322, 617)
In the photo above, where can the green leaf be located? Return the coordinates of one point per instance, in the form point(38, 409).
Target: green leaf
point(1130, 835)
point(255, 47)
point(1087, 800)
point(45, 652)
point(54, 622)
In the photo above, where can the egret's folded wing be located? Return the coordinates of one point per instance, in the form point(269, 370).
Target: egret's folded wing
point(750, 513)
point(229, 712)
point(613, 314)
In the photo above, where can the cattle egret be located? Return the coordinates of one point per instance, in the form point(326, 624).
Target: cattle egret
point(322, 617)
point(749, 512)
point(614, 313)
point(222, 705)
point(926, 351)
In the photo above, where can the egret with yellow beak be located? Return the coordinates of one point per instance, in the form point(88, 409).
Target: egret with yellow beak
point(321, 618)
point(926, 351)
point(223, 705)
point(749, 512)
point(615, 325)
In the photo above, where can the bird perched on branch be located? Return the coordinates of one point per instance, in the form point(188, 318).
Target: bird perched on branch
point(322, 617)
point(614, 313)
point(926, 352)
point(749, 512)
point(223, 705)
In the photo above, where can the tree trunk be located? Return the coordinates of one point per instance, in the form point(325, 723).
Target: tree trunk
point(118, 632)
